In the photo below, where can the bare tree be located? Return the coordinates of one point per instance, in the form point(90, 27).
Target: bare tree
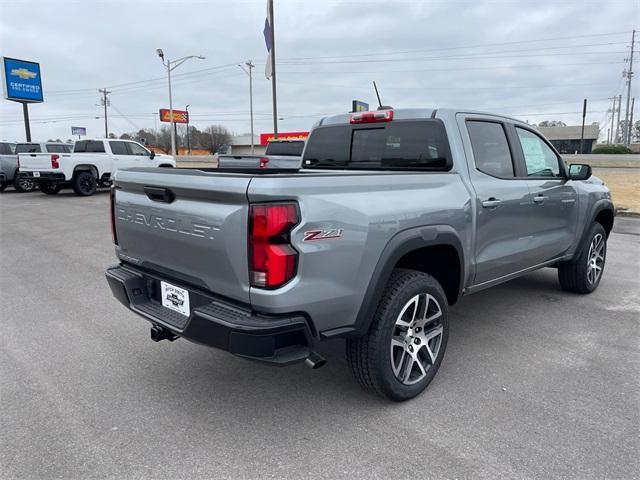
point(213, 137)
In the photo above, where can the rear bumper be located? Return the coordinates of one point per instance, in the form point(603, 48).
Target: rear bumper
point(278, 340)
point(49, 177)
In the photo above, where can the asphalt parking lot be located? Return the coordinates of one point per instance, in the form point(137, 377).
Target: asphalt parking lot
point(536, 383)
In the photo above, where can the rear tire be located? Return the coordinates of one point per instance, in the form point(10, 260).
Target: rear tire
point(50, 188)
point(3, 185)
point(84, 184)
point(583, 274)
point(404, 347)
point(24, 185)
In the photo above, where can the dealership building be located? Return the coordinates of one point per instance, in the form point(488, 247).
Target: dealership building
point(567, 139)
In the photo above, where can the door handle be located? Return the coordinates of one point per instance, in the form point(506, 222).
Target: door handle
point(491, 203)
point(159, 194)
point(539, 199)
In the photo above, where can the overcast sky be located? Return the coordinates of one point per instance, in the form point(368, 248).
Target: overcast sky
point(533, 59)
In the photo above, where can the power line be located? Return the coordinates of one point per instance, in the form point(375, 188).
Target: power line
point(477, 45)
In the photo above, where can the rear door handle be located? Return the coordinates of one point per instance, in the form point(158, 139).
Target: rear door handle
point(539, 199)
point(160, 194)
point(491, 203)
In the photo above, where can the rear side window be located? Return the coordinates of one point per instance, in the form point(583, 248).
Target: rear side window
point(541, 161)
point(57, 148)
point(401, 145)
point(490, 148)
point(28, 148)
point(89, 146)
point(119, 148)
point(285, 148)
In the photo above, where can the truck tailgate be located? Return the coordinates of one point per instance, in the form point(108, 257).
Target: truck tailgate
point(189, 225)
point(37, 161)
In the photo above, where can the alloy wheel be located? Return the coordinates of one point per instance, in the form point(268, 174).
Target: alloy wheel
point(416, 339)
point(595, 259)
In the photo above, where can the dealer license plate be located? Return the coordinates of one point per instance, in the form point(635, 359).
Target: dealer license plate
point(175, 298)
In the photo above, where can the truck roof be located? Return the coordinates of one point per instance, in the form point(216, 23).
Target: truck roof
point(413, 114)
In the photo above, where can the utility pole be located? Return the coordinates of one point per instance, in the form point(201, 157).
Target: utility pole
point(188, 139)
point(613, 116)
point(105, 104)
point(615, 140)
point(249, 72)
point(629, 75)
point(633, 101)
point(273, 70)
point(584, 114)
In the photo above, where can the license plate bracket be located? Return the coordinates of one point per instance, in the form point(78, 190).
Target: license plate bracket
point(175, 298)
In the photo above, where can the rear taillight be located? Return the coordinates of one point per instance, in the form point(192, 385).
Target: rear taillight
point(372, 117)
point(272, 259)
point(264, 162)
point(54, 161)
point(112, 211)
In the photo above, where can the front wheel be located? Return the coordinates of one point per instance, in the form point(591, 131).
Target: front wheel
point(404, 347)
point(583, 274)
point(24, 185)
point(84, 184)
point(50, 188)
point(3, 185)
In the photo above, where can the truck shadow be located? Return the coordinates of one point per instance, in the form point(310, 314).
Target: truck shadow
point(487, 322)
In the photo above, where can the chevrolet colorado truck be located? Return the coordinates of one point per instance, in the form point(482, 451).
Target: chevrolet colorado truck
point(91, 164)
point(279, 155)
point(394, 215)
point(9, 164)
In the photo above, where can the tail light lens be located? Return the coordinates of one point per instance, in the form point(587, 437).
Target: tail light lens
point(264, 162)
point(272, 259)
point(112, 211)
point(372, 117)
point(54, 161)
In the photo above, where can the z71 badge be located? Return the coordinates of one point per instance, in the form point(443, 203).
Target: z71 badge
point(322, 234)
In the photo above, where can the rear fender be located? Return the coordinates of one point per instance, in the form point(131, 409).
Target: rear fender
point(401, 244)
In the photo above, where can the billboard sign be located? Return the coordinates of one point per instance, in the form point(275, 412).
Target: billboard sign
point(265, 138)
point(179, 116)
point(358, 106)
point(21, 80)
point(78, 131)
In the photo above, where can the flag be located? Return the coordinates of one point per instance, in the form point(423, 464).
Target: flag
point(268, 40)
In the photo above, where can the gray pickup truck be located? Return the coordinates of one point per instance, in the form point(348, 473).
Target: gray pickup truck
point(394, 215)
point(279, 155)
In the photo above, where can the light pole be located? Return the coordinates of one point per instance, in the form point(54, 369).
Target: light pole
point(188, 140)
point(172, 65)
point(249, 72)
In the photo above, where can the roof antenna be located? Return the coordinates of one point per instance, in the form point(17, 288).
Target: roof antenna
point(380, 106)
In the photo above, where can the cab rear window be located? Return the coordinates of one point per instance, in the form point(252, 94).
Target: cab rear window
point(399, 145)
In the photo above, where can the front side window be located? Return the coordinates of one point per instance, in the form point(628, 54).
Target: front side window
point(135, 149)
point(119, 148)
point(541, 161)
point(490, 148)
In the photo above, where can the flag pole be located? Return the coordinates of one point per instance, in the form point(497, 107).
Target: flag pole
point(273, 71)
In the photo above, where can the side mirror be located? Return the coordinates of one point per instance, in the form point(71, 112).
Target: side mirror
point(579, 171)
point(152, 155)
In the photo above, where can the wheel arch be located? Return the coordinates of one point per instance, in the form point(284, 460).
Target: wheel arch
point(86, 168)
point(436, 250)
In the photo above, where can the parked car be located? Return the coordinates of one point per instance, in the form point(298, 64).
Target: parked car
point(394, 215)
point(9, 161)
point(91, 164)
point(279, 155)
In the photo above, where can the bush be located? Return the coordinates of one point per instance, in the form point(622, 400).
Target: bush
point(611, 149)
